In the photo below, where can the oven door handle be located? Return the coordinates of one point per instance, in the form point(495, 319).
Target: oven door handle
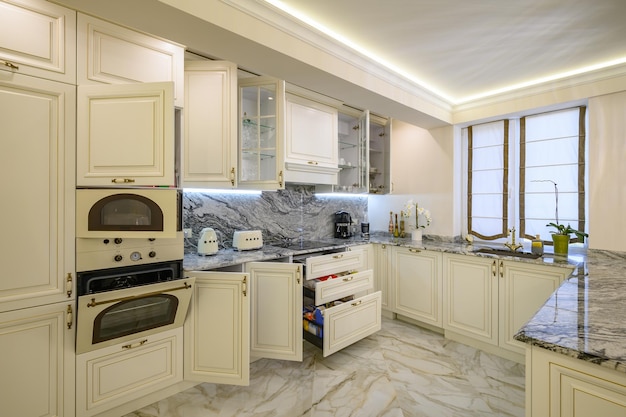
point(94, 303)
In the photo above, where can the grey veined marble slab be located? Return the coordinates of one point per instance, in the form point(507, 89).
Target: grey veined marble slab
point(586, 317)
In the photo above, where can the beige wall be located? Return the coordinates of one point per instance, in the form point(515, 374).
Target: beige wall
point(422, 170)
point(607, 172)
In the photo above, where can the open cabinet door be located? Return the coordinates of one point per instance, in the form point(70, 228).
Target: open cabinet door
point(217, 329)
point(276, 329)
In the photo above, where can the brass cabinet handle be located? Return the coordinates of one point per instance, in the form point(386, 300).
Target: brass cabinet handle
point(232, 176)
point(94, 303)
point(134, 345)
point(69, 316)
point(10, 65)
point(122, 180)
point(245, 286)
point(501, 269)
point(414, 250)
point(493, 268)
point(357, 303)
point(338, 256)
point(313, 163)
point(280, 178)
point(68, 284)
point(346, 279)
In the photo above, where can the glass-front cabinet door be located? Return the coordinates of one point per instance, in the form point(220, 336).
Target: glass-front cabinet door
point(379, 155)
point(261, 104)
point(353, 151)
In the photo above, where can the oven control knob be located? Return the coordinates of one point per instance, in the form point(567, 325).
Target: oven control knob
point(118, 258)
point(135, 256)
point(117, 240)
point(152, 254)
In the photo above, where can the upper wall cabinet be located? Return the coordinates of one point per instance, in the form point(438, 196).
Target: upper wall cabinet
point(261, 131)
point(111, 54)
point(210, 133)
point(379, 155)
point(311, 141)
point(125, 135)
point(38, 38)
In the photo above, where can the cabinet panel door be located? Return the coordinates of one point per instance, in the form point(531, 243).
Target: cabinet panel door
point(112, 54)
point(210, 134)
point(417, 285)
point(38, 38)
point(217, 330)
point(276, 306)
point(471, 294)
point(311, 136)
point(524, 289)
point(382, 273)
point(37, 361)
point(37, 157)
point(126, 135)
point(117, 374)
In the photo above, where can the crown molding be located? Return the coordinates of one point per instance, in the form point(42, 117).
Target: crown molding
point(297, 29)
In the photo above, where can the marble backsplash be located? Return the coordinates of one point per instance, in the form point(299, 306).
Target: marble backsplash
point(295, 213)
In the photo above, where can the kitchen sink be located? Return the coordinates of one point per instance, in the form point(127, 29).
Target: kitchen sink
point(506, 252)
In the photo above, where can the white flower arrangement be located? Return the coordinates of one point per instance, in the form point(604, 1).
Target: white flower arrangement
point(411, 208)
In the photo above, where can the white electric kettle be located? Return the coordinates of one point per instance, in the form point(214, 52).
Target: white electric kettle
point(207, 243)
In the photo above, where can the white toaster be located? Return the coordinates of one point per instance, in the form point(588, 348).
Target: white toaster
point(207, 243)
point(247, 240)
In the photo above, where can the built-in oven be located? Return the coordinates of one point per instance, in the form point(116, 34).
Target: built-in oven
point(116, 305)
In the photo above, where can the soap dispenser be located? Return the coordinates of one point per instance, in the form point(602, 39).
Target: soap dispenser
point(536, 246)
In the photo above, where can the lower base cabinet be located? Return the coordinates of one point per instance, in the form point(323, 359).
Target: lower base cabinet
point(115, 375)
point(488, 300)
point(37, 361)
point(560, 386)
point(416, 285)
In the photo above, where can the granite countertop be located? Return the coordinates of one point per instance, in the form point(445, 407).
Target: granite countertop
point(585, 318)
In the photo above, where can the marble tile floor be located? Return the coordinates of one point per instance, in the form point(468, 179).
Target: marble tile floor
point(401, 371)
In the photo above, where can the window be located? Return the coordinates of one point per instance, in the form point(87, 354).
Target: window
point(546, 182)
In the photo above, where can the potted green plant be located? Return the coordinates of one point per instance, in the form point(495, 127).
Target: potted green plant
point(562, 235)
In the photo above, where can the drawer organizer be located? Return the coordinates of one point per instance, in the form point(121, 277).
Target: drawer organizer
point(337, 311)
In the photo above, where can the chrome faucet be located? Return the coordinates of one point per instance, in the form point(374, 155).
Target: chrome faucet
point(513, 246)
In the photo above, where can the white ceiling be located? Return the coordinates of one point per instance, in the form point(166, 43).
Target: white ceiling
point(461, 49)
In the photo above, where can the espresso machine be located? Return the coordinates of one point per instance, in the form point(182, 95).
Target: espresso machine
point(343, 225)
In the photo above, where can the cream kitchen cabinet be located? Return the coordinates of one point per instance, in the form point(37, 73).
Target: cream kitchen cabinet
point(470, 294)
point(125, 135)
point(311, 141)
point(112, 376)
point(276, 306)
point(217, 329)
point(209, 148)
point(261, 133)
point(336, 313)
point(37, 219)
point(489, 300)
point(37, 361)
point(112, 54)
point(524, 288)
point(37, 38)
point(561, 386)
point(382, 274)
point(416, 284)
point(379, 155)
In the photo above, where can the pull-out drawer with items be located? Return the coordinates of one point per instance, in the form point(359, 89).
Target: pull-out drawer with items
point(337, 312)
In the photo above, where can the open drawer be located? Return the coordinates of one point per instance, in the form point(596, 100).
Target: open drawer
point(335, 288)
point(347, 323)
point(334, 263)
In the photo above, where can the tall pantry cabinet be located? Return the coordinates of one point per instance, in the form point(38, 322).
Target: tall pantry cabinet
point(37, 159)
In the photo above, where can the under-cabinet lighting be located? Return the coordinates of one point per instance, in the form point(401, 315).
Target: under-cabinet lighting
point(220, 191)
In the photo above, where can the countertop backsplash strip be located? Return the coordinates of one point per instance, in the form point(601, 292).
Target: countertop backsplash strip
point(282, 214)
